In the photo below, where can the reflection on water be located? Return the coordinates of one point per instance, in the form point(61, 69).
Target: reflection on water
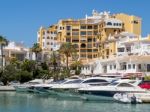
point(26, 102)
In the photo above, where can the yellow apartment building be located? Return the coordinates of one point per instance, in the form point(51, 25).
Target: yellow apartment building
point(90, 35)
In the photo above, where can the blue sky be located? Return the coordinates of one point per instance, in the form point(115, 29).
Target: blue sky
point(21, 19)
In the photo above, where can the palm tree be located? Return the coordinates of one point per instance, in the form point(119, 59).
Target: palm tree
point(3, 42)
point(67, 49)
point(54, 59)
point(76, 65)
point(36, 49)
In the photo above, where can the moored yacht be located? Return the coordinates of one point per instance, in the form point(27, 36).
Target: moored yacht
point(69, 88)
point(45, 88)
point(107, 92)
point(26, 86)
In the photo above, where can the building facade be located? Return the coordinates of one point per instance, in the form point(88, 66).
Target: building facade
point(47, 38)
point(18, 51)
point(90, 35)
point(132, 57)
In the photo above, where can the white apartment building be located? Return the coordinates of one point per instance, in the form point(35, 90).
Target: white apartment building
point(17, 50)
point(132, 57)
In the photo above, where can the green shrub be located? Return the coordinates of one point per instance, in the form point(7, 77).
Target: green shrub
point(24, 76)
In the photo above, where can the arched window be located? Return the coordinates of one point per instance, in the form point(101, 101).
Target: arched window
point(83, 45)
point(76, 46)
point(109, 23)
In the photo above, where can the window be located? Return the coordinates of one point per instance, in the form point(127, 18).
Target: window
point(113, 83)
point(148, 67)
point(83, 45)
point(48, 37)
point(125, 85)
point(115, 24)
point(94, 39)
point(94, 81)
point(129, 66)
point(43, 32)
point(114, 66)
point(75, 40)
point(83, 32)
point(139, 66)
point(43, 37)
point(74, 81)
point(120, 49)
point(51, 37)
point(83, 27)
point(133, 66)
point(75, 33)
point(95, 32)
point(123, 66)
point(68, 27)
point(90, 56)
point(89, 33)
point(75, 29)
point(47, 31)
point(89, 45)
point(109, 23)
point(89, 50)
point(90, 39)
point(68, 40)
point(95, 26)
point(83, 50)
point(134, 22)
point(51, 43)
point(95, 50)
point(68, 34)
point(110, 67)
point(83, 55)
point(89, 27)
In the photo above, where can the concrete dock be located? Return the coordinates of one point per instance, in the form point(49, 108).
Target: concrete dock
point(7, 88)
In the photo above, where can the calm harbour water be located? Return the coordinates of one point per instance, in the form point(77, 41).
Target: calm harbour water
point(25, 102)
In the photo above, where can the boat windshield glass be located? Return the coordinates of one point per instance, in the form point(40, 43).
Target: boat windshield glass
point(95, 81)
point(57, 82)
point(73, 81)
point(113, 84)
point(125, 85)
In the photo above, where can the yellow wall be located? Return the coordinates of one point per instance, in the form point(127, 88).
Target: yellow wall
point(132, 23)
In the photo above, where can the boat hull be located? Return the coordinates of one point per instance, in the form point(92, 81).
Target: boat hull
point(102, 95)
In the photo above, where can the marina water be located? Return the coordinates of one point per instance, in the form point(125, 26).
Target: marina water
point(27, 102)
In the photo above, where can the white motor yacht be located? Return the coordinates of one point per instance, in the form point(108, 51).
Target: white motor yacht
point(107, 92)
point(69, 88)
point(26, 86)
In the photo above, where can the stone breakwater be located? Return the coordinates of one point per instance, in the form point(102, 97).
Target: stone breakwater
point(7, 88)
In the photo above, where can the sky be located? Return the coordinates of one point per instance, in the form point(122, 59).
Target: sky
point(21, 19)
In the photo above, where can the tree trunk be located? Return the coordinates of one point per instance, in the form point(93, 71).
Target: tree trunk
point(67, 61)
point(2, 57)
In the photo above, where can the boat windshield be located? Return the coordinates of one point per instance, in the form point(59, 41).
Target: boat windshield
point(73, 81)
point(57, 82)
point(113, 84)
